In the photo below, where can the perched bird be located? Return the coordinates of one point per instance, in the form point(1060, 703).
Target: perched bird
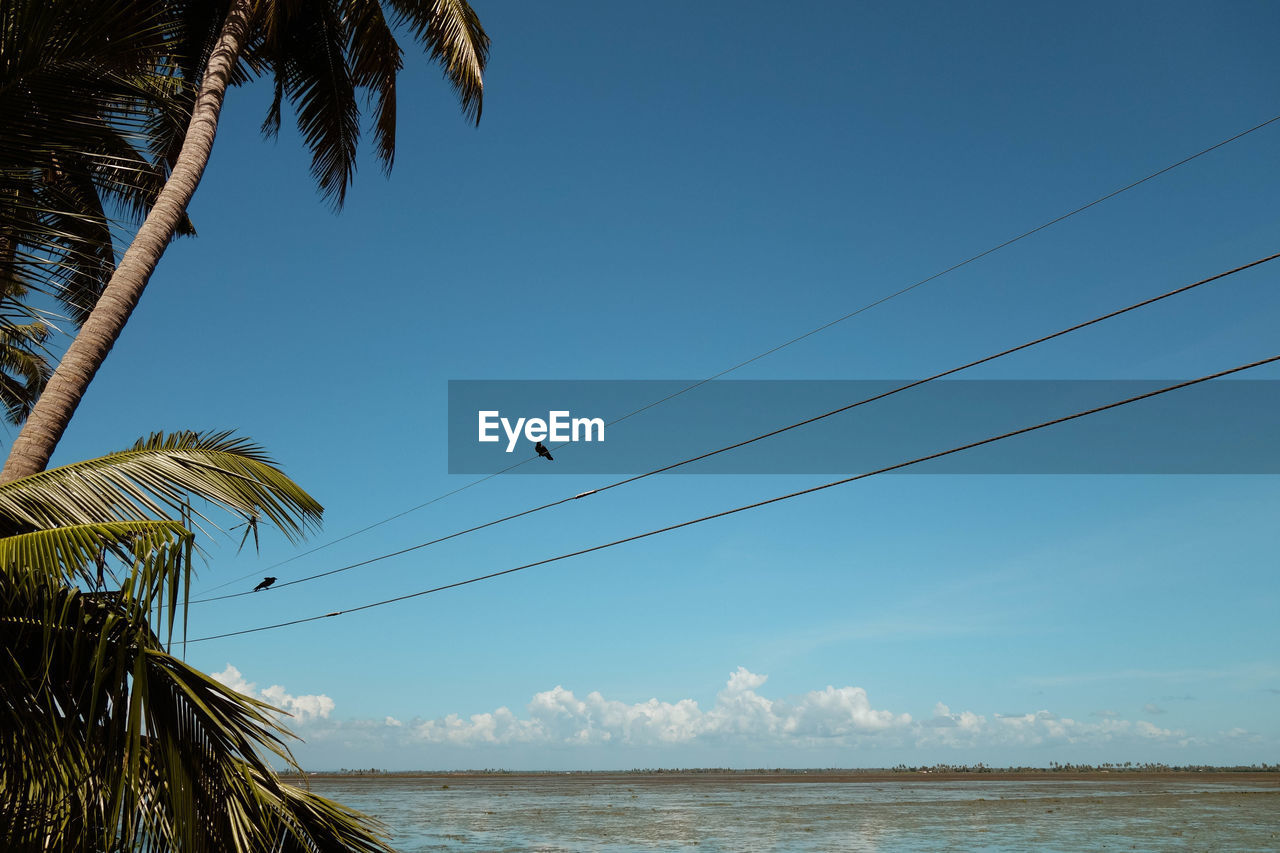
point(542, 451)
point(266, 582)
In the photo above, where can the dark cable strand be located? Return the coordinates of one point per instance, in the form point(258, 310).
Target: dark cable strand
point(746, 507)
point(769, 352)
point(914, 384)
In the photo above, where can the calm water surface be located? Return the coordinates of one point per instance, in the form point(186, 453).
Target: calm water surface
point(621, 815)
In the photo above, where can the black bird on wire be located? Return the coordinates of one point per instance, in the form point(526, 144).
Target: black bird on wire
point(266, 582)
point(542, 451)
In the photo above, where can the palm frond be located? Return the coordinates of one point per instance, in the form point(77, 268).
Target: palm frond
point(85, 91)
point(154, 479)
point(309, 55)
point(452, 35)
point(376, 61)
point(320, 53)
point(72, 553)
point(24, 366)
point(107, 742)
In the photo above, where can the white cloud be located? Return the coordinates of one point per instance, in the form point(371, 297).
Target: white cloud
point(833, 716)
point(743, 681)
point(557, 716)
point(1149, 730)
point(839, 712)
point(302, 708)
point(1152, 708)
point(1239, 734)
point(741, 717)
point(970, 730)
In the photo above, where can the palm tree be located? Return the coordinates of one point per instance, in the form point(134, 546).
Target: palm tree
point(322, 55)
point(108, 742)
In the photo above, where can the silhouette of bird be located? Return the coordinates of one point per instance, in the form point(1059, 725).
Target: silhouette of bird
point(542, 451)
point(266, 582)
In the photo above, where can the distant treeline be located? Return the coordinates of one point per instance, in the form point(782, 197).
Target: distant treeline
point(1054, 767)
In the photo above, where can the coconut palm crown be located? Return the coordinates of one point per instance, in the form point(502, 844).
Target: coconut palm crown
point(109, 742)
point(324, 57)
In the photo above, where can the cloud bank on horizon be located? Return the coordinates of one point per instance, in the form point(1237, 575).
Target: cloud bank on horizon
point(741, 716)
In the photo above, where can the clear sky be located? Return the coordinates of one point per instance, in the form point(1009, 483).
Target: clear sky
point(659, 191)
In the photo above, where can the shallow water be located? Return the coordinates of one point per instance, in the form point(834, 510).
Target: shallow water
point(621, 815)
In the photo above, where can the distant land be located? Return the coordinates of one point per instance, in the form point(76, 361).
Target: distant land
point(1262, 774)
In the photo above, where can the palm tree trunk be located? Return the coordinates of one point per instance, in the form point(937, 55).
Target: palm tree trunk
point(48, 420)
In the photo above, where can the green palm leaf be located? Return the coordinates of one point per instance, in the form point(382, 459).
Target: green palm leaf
point(451, 33)
point(153, 480)
point(173, 759)
point(308, 53)
point(107, 741)
point(376, 60)
point(72, 554)
point(320, 54)
point(89, 110)
point(24, 369)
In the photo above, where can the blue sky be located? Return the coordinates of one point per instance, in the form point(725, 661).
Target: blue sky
point(659, 192)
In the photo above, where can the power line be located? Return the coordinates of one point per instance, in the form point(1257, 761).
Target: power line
point(1144, 303)
point(755, 505)
point(355, 533)
point(769, 352)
